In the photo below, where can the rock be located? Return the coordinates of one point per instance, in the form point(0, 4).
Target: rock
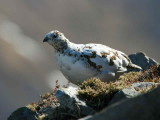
point(23, 113)
point(142, 107)
point(68, 98)
point(133, 91)
point(142, 60)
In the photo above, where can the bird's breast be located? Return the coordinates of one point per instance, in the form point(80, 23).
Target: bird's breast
point(72, 66)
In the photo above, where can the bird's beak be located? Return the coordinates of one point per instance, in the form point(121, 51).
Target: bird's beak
point(45, 39)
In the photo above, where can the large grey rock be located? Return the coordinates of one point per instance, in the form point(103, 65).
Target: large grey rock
point(142, 107)
point(133, 91)
point(68, 98)
point(142, 60)
point(23, 113)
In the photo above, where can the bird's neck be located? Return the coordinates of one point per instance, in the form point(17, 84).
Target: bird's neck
point(61, 45)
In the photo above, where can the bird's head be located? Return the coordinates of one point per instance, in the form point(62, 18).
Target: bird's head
point(54, 36)
point(56, 39)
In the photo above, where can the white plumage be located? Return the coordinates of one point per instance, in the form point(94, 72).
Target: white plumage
point(79, 62)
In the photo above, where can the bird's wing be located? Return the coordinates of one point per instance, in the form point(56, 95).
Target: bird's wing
point(105, 58)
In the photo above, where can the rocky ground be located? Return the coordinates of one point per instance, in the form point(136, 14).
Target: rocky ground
point(135, 95)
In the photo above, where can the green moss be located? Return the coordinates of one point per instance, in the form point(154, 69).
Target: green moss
point(98, 93)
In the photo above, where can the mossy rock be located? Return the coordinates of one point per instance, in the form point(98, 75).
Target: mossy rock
point(98, 94)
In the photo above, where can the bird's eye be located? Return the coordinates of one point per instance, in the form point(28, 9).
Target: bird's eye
point(54, 36)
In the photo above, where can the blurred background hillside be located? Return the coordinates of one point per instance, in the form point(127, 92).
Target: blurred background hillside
point(28, 67)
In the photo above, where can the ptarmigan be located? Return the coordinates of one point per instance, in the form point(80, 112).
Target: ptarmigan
point(79, 62)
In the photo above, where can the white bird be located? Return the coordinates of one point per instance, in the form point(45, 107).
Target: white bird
point(79, 62)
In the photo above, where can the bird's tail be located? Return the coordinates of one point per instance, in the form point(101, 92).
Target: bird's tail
point(133, 67)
